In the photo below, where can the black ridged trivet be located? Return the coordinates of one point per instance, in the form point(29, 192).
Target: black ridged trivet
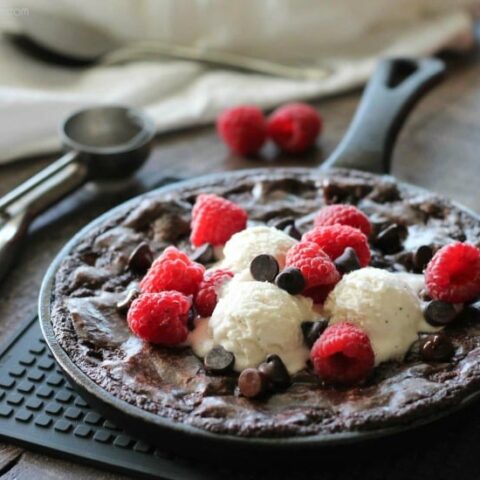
point(39, 409)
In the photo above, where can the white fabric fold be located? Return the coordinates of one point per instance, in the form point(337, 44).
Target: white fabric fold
point(35, 96)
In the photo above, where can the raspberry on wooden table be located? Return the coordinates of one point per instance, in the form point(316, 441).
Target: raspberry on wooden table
point(316, 266)
point(173, 270)
point(343, 354)
point(215, 220)
point(160, 317)
point(243, 129)
point(453, 274)
point(343, 215)
point(206, 297)
point(294, 127)
point(334, 239)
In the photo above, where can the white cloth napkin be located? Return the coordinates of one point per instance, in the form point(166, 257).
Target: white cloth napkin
point(347, 35)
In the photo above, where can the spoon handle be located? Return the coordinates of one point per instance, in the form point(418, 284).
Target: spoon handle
point(19, 207)
point(221, 59)
point(23, 189)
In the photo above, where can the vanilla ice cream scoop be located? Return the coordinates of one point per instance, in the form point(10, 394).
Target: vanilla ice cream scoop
point(254, 319)
point(244, 246)
point(384, 305)
point(417, 283)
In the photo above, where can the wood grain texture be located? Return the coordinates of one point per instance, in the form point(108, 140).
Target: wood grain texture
point(438, 149)
point(10, 455)
point(34, 466)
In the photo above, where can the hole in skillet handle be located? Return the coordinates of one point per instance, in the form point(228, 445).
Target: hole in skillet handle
point(401, 70)
point(392, 91)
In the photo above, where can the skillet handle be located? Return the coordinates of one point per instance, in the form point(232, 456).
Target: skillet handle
point(394, 88)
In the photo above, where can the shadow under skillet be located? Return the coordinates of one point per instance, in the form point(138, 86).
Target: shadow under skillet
point(438, 451)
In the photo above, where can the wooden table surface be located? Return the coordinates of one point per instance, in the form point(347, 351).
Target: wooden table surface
point(438, 149)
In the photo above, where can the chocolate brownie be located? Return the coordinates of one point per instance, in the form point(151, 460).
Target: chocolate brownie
point(173, 383)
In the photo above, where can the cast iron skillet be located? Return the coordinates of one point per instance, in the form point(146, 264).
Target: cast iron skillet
point(389, 96)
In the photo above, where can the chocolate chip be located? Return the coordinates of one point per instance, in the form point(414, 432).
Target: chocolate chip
point(385, 192)
point(264, 268)
point(421, 257)
point(439, 314)
point(267, 370)
point(219, 360)
point(252, 383)
point(437, 347)
point(378, 261)
point(348, 261)
point(433, 207)
point(339, 191)
point(192, 316)
point(471, 313)
point(391, 239)
point(406, 259)
point(203, 254)
point(291, 280)
point(333, 193)
point(141, 258)
point(124, 305)
point(275, 371)
point(288, 226)
point(293, 232)
point(284, 223)
point(312, 330)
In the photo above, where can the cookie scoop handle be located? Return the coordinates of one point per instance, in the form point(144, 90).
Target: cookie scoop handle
point(391, 93)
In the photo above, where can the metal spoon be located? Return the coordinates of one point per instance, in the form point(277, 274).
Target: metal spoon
point(107, 142)
point(76, 39)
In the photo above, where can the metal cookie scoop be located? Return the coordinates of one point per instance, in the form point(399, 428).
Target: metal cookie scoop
point(108, 142)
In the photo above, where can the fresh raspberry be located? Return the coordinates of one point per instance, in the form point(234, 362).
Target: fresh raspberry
point(206, 298)
point(343, 354)
point(173, 270)
point(314, 263)
point(294, 127)
point(243, 129)
point(319, 293)
point(334, 239)
point(453, 274)
point(343, 215)
point(160, 317)
point(215, 220)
